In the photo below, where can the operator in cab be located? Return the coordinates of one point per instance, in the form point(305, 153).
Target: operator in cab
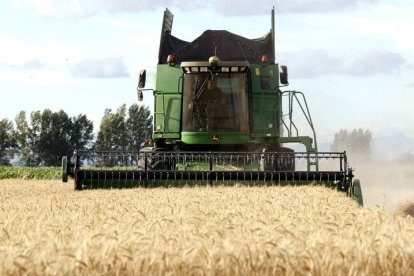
point(208, 105)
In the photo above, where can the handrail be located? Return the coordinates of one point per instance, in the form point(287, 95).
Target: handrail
point(298, 98)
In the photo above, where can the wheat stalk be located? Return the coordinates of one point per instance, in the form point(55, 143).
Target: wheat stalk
point(46, 228)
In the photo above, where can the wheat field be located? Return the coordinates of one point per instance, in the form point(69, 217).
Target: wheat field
point(46, 228)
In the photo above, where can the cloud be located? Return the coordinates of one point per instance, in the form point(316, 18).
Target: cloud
point(82, 9)
point(238, 8)
point(409, 66)
point(31, 65)
point(105, 68)
point(34, 64)
point(312, 63)
point(364, 63)
point(322, 6)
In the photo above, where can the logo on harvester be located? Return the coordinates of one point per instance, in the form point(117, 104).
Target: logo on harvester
point(215, 138)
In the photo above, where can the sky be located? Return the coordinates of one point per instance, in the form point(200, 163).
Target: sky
point(353, 59)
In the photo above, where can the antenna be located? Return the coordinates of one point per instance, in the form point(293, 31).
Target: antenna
point(241, 48)
point(273, 35)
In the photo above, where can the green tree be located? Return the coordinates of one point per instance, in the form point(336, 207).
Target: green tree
point(21, 135)
point(50, 139)
point(139, 126)
point(122, 132)
point(52, 135)
point(81, 133)
point(112, 135)
point(34, 137)
point(7, 142)
point(356, 142)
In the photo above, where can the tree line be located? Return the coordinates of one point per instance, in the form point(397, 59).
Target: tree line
point(43, 137)
point(357, 143)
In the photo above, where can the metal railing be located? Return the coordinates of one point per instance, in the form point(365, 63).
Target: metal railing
point(297, 98)
point(137, 168)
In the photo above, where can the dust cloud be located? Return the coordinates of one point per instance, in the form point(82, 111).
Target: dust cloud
point(386, 185)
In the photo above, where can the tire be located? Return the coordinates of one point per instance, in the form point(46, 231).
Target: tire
point(65, 169)
point(357, 192)
point(77, 184)
point(285, 161)
point(288, 159)
point(155, 161)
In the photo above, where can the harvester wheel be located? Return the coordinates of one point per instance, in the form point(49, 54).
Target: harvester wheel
point(286, 162)
point(78, 185)
point(64, 169)
point(358, 192)
point(154, 162)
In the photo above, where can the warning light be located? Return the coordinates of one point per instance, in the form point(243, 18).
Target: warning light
point(265, 59)
point(243, 129)
point(214, 60)
point(170, 59)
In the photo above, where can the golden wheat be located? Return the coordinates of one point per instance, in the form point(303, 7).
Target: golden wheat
point(407, 209)
point(47, 228)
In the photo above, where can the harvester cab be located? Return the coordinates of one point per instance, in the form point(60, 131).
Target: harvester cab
point(219, 115)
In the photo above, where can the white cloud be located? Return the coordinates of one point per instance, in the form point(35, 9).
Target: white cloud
point(14, 51)
point(113, 67)
point(320, 6)
point(33, 64)
point(122, 24)
point(45, 77)
point(81, 9)
point(387, 21)
point(23, 52)
point(237, 8)
point(312, 63)
point(364, 63)
point(59, 8)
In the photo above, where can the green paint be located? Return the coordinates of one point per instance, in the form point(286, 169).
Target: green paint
point(168, 78)
point(167, 97)
point(266, 100)
point(357, 192)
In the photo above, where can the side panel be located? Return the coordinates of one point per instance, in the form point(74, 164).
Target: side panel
point(264, 114)
point(167, 102)
point(168, 108)
point(266, 101)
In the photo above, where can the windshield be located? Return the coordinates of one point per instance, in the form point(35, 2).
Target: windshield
point(215, 102)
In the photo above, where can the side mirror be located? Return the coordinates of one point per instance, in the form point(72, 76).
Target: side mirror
point(284, 75)
point(140, 95)
point(142, 78)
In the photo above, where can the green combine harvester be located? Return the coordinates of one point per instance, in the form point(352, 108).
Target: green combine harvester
point(218, 118)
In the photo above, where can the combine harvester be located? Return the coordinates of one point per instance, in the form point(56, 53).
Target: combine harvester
point(218, 118)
